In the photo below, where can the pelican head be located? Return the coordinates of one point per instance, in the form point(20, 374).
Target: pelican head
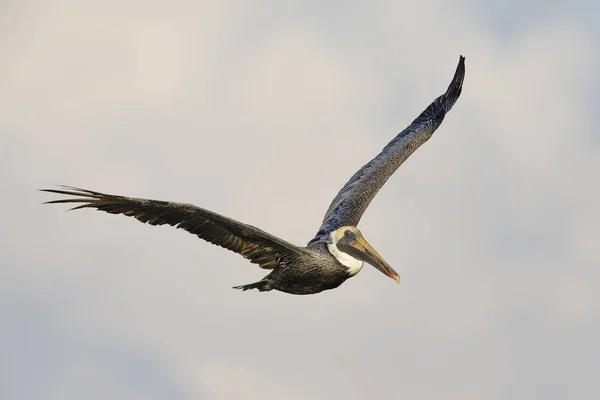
point(351, 249)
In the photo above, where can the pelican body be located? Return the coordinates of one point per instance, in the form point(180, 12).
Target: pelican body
point(336, 253)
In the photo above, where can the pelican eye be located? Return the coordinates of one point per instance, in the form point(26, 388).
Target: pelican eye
point(348, 233)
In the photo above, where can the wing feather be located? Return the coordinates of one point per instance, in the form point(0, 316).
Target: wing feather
point(252, 243)
point(353, 199)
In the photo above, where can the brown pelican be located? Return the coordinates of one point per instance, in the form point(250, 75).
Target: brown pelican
point(338, 250)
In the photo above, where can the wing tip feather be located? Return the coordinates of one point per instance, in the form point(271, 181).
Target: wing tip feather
point(455, 86)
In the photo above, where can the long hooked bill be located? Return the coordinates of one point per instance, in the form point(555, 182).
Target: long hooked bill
point(368, 254)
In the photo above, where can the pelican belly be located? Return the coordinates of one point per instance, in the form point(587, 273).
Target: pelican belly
point(311, 280)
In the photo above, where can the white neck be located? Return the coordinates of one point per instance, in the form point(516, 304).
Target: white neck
point(354, 266)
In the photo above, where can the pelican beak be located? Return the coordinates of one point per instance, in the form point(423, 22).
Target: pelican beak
point(365, 252)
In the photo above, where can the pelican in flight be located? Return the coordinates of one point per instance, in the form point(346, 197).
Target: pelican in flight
point(338, 250)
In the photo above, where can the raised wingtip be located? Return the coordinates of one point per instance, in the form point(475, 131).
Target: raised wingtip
point(459, 75)
point(455, 86)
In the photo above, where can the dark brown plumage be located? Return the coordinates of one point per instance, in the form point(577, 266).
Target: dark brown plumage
point(254, 244)
point(338, 250)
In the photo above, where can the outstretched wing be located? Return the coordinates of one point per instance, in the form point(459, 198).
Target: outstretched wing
point(254, 244)
point(351, 202)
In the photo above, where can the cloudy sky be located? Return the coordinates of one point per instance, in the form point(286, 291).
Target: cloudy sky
point(261, 111)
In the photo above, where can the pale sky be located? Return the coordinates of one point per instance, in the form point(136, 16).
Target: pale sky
point(261, 111)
